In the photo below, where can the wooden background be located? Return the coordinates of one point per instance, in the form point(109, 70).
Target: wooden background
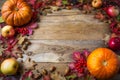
point(63, 32)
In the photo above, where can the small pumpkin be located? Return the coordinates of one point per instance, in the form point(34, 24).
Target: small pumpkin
point(103, 63)
point(16, 12)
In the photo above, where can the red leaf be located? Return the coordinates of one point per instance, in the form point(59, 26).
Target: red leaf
point(30, 31)
point(37, 5)
point(31, 2)
point(33, 25)
point(34, 16)
point(26, 75)
point(100, 16)
point(76, 55)
point(46, 77)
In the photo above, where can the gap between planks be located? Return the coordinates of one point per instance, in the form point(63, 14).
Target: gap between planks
point(59, 50)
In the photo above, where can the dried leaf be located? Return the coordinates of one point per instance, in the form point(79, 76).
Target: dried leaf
point(1, 49)
point(36, 74)
point(21, 40)
point(87, 8)
point(29, 64)
point(113, 35)
point(106, 38)
point(57, 76)
point(17, 51)
point(54, 8)
point(100, 16)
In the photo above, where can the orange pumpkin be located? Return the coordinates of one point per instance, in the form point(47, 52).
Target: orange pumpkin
point(16, 12)
point(103, 63)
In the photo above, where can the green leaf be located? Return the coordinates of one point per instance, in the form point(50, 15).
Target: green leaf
point(28, 78)
point(1, 20)
point(65, 2)
point(118, 17)
point(71, 77)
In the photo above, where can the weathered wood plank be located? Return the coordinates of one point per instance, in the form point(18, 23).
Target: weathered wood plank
point(70, 29)
point(71, 32)
point(58, 36)
point(59, 50)
point(64, 12)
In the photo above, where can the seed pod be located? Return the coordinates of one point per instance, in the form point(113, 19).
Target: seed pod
point(44, 72)
point(52, 69)
point(67, 70)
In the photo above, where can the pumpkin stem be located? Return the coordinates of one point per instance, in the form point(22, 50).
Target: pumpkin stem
point(104, 62)
point(16, 9)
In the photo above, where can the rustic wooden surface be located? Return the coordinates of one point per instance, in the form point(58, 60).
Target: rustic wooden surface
point(61, 33)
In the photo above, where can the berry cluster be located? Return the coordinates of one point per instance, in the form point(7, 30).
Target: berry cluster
point(23, 31)
point(79, 66)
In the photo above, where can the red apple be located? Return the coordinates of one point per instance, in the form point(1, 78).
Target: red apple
point(97, 3)
point(114, 43)
point(9, 66)
point(7, 31)
point(112, 11)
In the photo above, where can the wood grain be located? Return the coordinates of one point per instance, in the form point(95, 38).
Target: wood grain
point(59, 50)
point(60, 34)
point(70, 27)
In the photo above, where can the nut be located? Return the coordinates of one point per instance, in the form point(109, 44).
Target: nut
point(44, 72)
point(67, 70)
point(53, 68)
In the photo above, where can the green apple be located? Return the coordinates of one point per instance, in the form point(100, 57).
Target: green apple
point(9, 66)
point(7, 31)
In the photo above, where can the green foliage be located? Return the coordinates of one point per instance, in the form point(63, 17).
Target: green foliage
point(1, 20)
point(28, 78)
point(65, 2)
point(118, 17)
point(73, 76)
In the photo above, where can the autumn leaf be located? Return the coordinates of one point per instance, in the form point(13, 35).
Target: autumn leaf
point(28, 78)
point(73, 76)
point(33, 25)
point(87, 8)
point(37, 5)
point(99, 16)
point(1, 20)
point(65, 2)
point(57, 76)
point(27, 75)
point(1, 50)
point(31, 2)
point(29, 64)
point(46, 77)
